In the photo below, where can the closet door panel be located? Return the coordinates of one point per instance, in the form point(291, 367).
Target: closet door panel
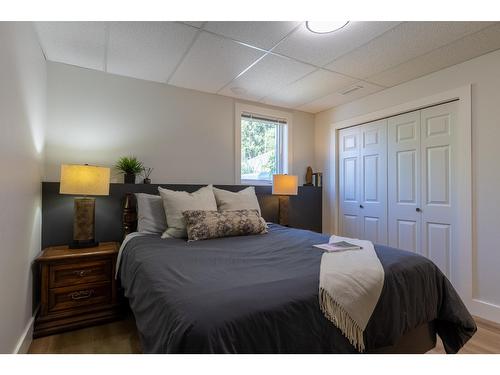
point(438, 176)
point(350, 185)
point(373, 191)
point(372, 227)
point(406, 173)
point(349, 182)
point(407, 235)
point(437, 242)
point(403, 176)
point(350, 226)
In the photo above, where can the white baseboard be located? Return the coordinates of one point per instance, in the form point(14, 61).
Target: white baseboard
point(26, 338)
point(486, 310)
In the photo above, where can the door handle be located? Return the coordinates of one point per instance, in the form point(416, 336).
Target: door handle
point(418, 209)
point(361, 206)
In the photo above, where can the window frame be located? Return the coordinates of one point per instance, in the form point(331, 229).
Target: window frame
point(285, 146)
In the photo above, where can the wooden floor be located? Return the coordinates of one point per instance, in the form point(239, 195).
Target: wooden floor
point(113, 338)
point(485, 341)
point(121, 337)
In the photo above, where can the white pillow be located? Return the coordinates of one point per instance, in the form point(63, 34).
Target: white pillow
point(150, 214)
point(242, 200)
point(175, 202)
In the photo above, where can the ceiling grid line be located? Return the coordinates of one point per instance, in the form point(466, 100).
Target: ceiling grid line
point(106, 46)
point(264, 50)
point(271, 51)
point(259, 59)
point(40, 43)
point(361, 46)
point(179, 63)
point(237, 41)
point(291, 83)
point(243, 72)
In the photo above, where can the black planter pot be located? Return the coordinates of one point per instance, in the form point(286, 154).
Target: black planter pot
point(129, 178)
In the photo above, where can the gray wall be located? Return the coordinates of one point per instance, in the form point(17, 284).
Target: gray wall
point(186, 136)
point(22, 126)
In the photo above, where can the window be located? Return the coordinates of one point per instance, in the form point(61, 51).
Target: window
point(261, 148)
point(262, 144)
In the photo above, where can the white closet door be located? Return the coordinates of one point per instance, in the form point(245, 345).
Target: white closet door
point(373, 181)
point(349, 173)
point(404, 224)
point(438, 176)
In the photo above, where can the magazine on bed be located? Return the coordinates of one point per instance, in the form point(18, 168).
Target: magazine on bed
point(338, 246)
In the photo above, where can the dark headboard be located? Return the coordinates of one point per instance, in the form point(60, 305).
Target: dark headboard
point(112, 214)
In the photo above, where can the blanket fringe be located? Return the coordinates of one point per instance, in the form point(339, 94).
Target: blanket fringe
point(338, 316)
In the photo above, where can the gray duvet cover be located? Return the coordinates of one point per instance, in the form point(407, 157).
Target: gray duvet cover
point(259, 294)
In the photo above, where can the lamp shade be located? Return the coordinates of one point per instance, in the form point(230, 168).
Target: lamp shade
point(84, 180)
point(284, 184)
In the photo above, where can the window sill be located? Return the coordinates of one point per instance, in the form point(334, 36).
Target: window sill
point(256, 182)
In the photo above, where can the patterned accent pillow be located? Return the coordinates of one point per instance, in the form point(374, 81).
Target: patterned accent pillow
point(204, 225)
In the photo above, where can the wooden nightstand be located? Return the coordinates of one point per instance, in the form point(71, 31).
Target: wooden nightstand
point(77, 288)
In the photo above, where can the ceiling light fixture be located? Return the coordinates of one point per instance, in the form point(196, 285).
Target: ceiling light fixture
point(325, 27)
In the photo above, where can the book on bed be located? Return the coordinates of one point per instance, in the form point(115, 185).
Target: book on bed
point(338, 246)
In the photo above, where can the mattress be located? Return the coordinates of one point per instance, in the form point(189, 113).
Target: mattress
point(259, 294)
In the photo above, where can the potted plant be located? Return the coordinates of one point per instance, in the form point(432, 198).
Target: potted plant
point(129, 166)
point(146, 172)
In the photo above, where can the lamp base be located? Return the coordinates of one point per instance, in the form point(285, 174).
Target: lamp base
point(83, 244)
point(83, 224)
point(283, 201)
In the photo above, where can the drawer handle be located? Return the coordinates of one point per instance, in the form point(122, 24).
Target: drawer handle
point(82, 273)
point(82, 294)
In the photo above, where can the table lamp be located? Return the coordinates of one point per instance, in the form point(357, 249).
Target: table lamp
point(84, 180)
point(284, 185)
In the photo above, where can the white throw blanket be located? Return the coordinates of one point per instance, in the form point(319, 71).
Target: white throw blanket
point(349, 288)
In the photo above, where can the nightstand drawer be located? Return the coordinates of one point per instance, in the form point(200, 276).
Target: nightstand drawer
point(80, 273)
point(82, 295)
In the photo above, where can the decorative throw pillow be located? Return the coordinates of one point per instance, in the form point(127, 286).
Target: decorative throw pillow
point(150, 214)
point(203, 225)
point(175, 202)
point(242, 200)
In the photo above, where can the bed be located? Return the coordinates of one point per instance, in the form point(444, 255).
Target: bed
point(259, 294)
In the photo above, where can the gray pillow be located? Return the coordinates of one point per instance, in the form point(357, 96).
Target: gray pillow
point(175, 202)
point(150, 214)
point(242, 200)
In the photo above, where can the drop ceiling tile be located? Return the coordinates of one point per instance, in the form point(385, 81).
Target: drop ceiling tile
point(197, 24)
point(402, 43)
point(320, 49)
point(473, 45)
point(147, 50)
point(75, 43)
point(313, 86)
point(212, 62)
point(265, 77)
point(260, 34)
point(336, 98)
